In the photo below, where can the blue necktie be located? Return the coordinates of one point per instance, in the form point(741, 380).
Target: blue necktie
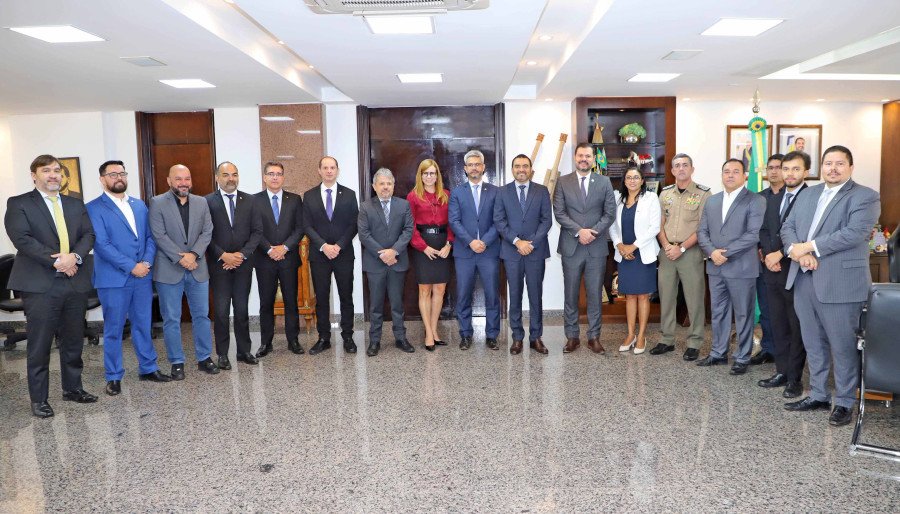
point(231, 208)
point(329, 208)
point(275, 209)
point(522, 197)
point(475, 196)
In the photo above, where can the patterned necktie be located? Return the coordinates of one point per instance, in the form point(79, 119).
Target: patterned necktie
point(583, 189)
point(386, 207)
point(231, 208)
point(476, 197)
point(820, 210)
point(275, 210)
point(329, 207)
point(522, 197)
point(787, 203)
point(61, 229)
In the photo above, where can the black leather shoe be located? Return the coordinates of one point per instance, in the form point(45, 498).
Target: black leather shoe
point(840, 416)
point(661, 348)
point(465, 343)
point(373, 348)
point(792, 390)
point(739, 368)
point(178, 371)
point(224, 363)
point(320, 346)
point(247, 358)
point(349, 345)
point(79, 396)
point(762, 358)
point(158, 376)
point(264, 349)
point(404, 345)
point(113, 387)
point(438, 342)
point(690, 354)
point(776, 380)
point(492, 343)
point(709, 360)
point(806, 404)
point(430, 348)
point(208, 366)
point(41, 409)
point(294, 346)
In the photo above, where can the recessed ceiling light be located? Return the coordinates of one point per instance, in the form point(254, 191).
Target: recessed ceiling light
point(531, 63)
point(546, 37)
point(309, 131)
point(740, 27)
point(143, 61)
point(388, 24)
point(57, 34)
point(686, 99)
point(187, 83)
point(276, 118)
point(681, 55)
point(820, 99)
point(885, 99)
point(312, 67)
point(653, 77)
point(420, 78)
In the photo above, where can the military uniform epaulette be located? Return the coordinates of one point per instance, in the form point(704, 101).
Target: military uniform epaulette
point(668, 187)
point(701, 187)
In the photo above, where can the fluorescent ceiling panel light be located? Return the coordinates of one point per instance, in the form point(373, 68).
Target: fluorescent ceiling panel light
point(309, 132)
point(546, 37)
point(187, 83)
point(420, 78)
point(740, 27)
point(276, 118)
point(400, 24)
point(681, 55)
point(143, 61)
point(531, 63)
point(57, 34)
point(653, 77)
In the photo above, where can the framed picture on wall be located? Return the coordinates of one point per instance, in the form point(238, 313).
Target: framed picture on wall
point(803, 138)
point(652, 185)
point(738, 143)
point(71, 180)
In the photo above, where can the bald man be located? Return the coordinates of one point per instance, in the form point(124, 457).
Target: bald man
point(182, 227)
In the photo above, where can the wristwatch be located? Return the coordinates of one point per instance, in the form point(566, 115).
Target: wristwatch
point(682, 248)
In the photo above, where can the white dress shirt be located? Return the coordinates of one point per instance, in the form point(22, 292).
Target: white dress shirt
point(728, 199)
point(125, 207)
point(280, 195)
point(49, 204)
point(334, 190)
point(834, 191)
point(235, 199)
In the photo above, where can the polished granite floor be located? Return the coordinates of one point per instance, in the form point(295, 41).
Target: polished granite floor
point(475, 431)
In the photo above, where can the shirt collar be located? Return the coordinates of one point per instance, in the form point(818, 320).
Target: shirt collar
point(223, 193)
point(278, 194)
point(835, 189)
point(124, 199)
point(45, 196)
point(734, 193)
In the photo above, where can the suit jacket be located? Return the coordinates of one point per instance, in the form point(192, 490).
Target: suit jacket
point(770, 233)
point(242, 237)
point(647, 219)
point(533, 224)
point(739, 234)
point(117, 249)
point(468, 223)
point(288, 231)
point(375, 234)
point(32, 231)
point(842, 239)
point(339, 230)
point(168, 231)
point(597, 211)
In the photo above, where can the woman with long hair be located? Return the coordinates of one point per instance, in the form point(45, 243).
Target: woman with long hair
point(431, 244)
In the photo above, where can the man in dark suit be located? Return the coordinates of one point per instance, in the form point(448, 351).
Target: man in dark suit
point(729, 237)
point(826, 236)
point(523, 218)
point(766, 342)
point(53, 236)
point(278, 257)
point(789, 354)
point(385, 230)
point(585, 207)
point(124, 251)
point(330, 213)
point(475, 250)
point(235, 236)
point(182, 228)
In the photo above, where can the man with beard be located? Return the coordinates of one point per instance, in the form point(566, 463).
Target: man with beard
point(123, 254)
point(182, 228)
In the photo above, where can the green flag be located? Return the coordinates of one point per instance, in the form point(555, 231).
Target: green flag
point(758, 154)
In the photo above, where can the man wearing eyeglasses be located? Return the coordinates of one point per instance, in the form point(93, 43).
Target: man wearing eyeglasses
point(278, 257)
point(124, 251)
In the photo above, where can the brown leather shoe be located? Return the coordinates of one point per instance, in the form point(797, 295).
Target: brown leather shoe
point(595, 346)
point(571, 345)
point(538, 346)
point(516, 348)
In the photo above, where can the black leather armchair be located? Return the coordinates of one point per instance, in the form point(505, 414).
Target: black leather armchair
point(9, 301)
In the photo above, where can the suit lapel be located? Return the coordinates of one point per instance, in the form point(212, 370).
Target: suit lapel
point(790, 205)
point(116, 211)
point(72, 221)
point(741, 197)
point(38, 199)
point(837, 197)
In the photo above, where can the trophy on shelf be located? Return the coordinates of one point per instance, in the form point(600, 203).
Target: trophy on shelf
point(597, 138)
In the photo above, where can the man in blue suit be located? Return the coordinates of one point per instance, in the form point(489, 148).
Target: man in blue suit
point(523, 218)
point(123, 252)
point(475, 249)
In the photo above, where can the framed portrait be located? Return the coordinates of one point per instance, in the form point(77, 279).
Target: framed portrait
point(71, 180)
point(652, 185)
point(738, 143)
point(803, 138)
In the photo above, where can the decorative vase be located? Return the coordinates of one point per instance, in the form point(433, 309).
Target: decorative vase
point(630, 138)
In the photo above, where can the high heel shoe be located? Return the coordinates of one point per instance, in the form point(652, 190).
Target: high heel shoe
point(626, 347)
point(638, 351)
point(429, 348)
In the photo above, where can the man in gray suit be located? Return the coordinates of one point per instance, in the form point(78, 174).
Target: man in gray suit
point(182, 227)
point(385, 230)
point(729, 236)
point(585, 207)
point(826, 236)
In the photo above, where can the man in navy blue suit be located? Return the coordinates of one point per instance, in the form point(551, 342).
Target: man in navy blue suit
point(475, 249)
point(123, 252)
point(523, 218)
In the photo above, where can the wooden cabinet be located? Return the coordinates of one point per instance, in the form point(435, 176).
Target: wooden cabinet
point(878, 265)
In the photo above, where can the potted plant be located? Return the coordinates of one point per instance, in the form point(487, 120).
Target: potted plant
point(632, 133)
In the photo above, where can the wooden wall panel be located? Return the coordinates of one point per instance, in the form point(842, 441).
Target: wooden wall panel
point(890, 165)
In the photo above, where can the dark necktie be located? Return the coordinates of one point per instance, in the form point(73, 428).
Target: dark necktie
point(522, 197)
point(583, 189)
point(329, 207)
point(787, 203)
point(231, 208)
point(275, 210)
point(386, 207)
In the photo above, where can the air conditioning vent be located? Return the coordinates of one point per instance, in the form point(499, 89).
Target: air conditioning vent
point(392, 6)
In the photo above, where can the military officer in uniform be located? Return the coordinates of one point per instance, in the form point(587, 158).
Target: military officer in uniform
point(680, 259)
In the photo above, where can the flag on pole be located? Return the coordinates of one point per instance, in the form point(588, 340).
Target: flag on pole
point(759, 153)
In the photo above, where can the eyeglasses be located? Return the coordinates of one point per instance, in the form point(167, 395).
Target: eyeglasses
point(116, 175)
point(634, 178)
point(270, 174)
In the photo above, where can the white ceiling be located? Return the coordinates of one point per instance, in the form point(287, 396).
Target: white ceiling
point(597, 45)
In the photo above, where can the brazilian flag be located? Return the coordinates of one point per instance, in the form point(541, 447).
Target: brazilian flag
point(601, 160)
